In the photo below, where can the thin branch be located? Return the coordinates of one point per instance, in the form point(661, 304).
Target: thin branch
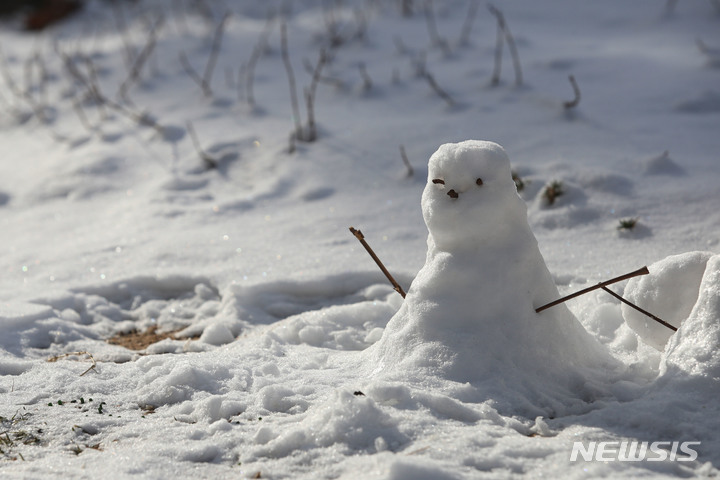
point(80, 112)
point(291, 81)
point(419, 64)
point(42, 79)
point(468, 23)
point(257, 52)
point(499, 44)
point(435, 37)
point(121, 26)
point(502, 24)
point(515, 56)
point(626, 302)
point(140, 60)
point(192, 73)
point(205, 80)
point(358, 234)
point(26, 94)
point(331, 26)
point(93, 89)
point(209, 162)
point(641, 271)
point(311, 132)
point(335, 82)
point(94, 83)
point(403, 155)
point(441, 93)
point(576, 90)
point(215, 50)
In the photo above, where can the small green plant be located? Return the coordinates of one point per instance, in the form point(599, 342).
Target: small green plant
point(627, 223)
point(552, 191)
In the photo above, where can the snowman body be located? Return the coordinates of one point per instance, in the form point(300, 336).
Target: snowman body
point(469, 315)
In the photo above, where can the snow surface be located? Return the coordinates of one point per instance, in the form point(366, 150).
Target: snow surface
point(111, 225)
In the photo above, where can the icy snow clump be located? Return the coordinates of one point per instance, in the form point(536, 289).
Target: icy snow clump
point(695, 348)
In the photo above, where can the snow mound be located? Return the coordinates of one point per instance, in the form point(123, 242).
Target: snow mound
point(695, 348)
point(670, 292)
point(345, 418)
point(469, 315)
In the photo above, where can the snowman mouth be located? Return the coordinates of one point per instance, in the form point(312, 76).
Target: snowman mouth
point(453, 194)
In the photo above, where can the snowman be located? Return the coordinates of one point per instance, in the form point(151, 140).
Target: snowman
point(469, 315)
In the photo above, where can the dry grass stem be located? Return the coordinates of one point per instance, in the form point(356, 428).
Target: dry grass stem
point(576, 91)
point(72, 354)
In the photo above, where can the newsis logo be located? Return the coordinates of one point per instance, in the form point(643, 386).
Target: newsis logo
point(634, 451)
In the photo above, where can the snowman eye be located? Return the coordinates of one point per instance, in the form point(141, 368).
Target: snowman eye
point(479, 182)
point(438, 181)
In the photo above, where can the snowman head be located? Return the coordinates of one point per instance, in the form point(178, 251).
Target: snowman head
point(470, 197)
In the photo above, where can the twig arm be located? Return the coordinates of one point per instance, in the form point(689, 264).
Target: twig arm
point(660, 321)
point(361, 238)
point(641, 271)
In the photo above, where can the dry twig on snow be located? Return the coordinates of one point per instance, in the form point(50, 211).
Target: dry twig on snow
point(436, 88)
point(504, 35)
point(403, 155)
point(72, 354)
point(435, 38)
point(291, 81)
point(257, 52)
point(140, 61)
point(206, 78)
point(468, 23)
point(310, 92)
point(209, 162)
point(576, 90)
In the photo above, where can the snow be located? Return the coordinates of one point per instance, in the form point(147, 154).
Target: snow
point(291, 356)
